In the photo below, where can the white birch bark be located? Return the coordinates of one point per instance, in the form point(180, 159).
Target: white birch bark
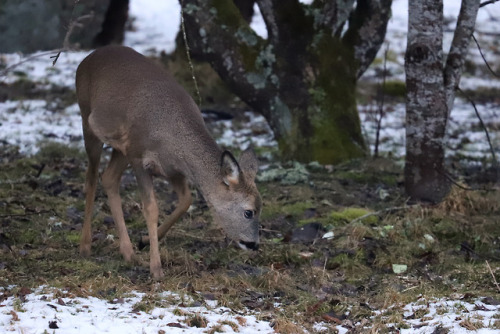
point(431, 90)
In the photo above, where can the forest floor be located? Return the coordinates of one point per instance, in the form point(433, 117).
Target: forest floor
point(342, 250)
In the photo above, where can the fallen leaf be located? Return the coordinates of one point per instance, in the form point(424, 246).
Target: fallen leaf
point(329, 318)
point(14, 315)
point(490, 301)
point(399, 268)
point(53, 306)
point(478, 307)
point(242, 321)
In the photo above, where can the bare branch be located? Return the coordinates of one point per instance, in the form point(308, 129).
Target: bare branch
point(489, 2)
point(267, 11)
point(226, 41)
point(284, 33)
point(72, 25)
point(381, 112)
point(458, 50)
point(492, 150)
point(335, 13)
point(367, 28)
point(484, 58)
point(27, 59)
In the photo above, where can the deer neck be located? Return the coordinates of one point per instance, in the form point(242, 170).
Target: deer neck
point(200, 163)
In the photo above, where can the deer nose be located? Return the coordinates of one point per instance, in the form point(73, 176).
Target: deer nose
point(249, 245)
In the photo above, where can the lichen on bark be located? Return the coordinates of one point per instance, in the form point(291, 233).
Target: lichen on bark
point(302, 79)
point(430, 93)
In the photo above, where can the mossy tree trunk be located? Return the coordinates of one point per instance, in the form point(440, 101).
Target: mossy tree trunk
point(302, 78)
point(431, 85)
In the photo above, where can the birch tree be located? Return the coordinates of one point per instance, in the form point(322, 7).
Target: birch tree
point(302, 78)
point(431, 84)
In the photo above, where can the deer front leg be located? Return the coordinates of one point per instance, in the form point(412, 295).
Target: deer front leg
point(111, 179)
point(150, 211)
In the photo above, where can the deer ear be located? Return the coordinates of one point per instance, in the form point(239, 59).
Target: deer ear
point(230, 169)
point(249, 163)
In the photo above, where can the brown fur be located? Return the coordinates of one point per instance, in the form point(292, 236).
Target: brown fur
point(153, 125)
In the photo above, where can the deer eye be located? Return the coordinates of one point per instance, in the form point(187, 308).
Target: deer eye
point(248, 214)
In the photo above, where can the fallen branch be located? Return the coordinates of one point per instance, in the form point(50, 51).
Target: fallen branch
point(492, 275)
point(384, 211)
point(12, 215)
point(464, 187)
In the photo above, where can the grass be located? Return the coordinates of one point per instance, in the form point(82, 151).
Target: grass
point(444, 247)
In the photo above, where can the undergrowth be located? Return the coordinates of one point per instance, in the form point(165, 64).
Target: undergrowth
point(442, 249)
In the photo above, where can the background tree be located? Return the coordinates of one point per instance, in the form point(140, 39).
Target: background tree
point(302, 78)
point(431, 85)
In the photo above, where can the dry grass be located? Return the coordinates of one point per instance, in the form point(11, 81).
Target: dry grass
point(444, 248)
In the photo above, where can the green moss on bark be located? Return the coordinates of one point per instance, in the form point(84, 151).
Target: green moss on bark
point(334, 132)
point(228, 14)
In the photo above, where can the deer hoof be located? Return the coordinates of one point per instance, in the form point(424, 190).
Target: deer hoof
point(143, 242)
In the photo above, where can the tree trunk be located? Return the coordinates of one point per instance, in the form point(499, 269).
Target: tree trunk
point(113, 27)
point(303, 77)
point(430, 94)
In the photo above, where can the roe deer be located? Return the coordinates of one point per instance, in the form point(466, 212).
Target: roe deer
point(152, 124)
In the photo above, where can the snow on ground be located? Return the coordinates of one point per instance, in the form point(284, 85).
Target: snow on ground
point(69, 314)
point(29, 123)
point(153, 34)
point(47, 309)
point(458, 316)
point(26, 123)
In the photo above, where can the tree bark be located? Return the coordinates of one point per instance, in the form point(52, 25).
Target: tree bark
point(113, 27)
point(430, 94)
point(302, 79)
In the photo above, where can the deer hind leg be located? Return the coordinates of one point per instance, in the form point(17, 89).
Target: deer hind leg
point(181, 188)
point(93, 147)
point(150, 211)
point(111, 179)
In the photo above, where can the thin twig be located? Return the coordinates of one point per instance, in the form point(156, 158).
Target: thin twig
point(450, 178)
point(25, 60)
point(466, 188)
point(69, 31)
point(484, 58)
point(381, 105)
point(28, 214)
point(492, 275)
point(384, 211)
point(495, 162)
point(73, 23)
point(489, 2)
point(188, 54)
